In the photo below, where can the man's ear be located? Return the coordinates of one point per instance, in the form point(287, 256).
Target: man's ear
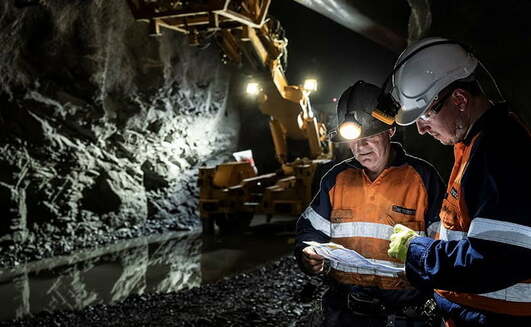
point(460, 98)
point(392, 131)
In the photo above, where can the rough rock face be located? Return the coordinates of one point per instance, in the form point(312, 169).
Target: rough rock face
point(102, 127)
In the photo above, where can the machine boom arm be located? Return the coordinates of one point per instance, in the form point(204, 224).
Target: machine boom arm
point(243, 31)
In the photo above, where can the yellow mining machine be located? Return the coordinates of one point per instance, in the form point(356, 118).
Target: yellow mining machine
point(231, 193)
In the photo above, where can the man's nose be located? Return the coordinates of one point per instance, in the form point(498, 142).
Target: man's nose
point(359, 144)
point(422, 126)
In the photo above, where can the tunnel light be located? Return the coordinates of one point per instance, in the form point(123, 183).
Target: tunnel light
point(310, 85)
point(350, 130)
point(252, 88)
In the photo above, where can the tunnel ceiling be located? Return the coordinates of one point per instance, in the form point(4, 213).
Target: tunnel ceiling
point(384, 22)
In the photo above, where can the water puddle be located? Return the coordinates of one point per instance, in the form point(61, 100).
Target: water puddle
point(154, 264)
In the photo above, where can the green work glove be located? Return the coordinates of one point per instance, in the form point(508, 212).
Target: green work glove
point(400, 241)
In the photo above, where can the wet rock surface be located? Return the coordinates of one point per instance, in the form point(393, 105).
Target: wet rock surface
point(153, 264)
point(50, 241)
point(277, 294)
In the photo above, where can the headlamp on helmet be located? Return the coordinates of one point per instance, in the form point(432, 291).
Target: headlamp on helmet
point(350, 129)
point(355, 113)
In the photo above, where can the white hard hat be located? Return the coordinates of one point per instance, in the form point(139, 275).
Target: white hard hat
point(423, 70)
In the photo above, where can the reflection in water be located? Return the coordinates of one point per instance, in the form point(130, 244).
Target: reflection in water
point(155, 264)
point(104, 275)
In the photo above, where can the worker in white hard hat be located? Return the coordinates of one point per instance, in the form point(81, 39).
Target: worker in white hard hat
point(480, 266)
point(358, 203)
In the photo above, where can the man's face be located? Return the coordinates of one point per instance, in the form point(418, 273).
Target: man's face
point(371, 151)
point(446, 125)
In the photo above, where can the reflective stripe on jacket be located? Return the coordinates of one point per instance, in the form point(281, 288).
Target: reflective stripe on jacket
point(351, 210)
point(482, 262)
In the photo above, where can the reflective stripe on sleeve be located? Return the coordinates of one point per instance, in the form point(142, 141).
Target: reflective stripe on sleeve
point(317, 221)
point(450, 235)
point(500, 231)
point(517, 293)
point(433, 229)
point(351, 269)
point(364, 229)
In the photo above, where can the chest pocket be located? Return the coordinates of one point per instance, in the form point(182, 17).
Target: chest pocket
point(405, 216)
point(452, 216)
point(339, 216)
point(454, 213)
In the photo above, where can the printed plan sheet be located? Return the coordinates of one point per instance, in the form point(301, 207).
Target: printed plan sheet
point(350, 258)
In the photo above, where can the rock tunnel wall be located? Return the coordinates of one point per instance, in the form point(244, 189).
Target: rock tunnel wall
point(102, 127)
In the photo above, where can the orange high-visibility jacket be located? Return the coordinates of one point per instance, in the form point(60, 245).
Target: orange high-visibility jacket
point(351, 210)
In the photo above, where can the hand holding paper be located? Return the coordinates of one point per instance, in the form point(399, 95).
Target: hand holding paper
point(350, 258)
point(313, 263)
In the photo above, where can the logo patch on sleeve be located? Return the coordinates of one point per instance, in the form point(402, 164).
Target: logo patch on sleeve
point(404, 211)
point(453, 192)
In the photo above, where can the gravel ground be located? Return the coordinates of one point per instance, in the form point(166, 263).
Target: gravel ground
point(277, 294)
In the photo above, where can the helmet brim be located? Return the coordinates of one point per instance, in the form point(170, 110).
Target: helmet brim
point(408, 117)
point(337, 138)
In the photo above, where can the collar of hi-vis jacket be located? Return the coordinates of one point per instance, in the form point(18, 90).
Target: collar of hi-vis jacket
point(462, 150)
point(398, 160)
point(488, 120)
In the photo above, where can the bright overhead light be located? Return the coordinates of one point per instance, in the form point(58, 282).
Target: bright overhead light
point(310, 85)
point(252, 88)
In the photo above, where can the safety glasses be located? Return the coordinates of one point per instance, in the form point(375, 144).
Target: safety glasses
point(436, 107)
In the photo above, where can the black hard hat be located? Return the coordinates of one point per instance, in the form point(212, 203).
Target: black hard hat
point(356, 104)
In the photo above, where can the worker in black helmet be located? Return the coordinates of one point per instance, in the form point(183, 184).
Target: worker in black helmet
point(358, 203)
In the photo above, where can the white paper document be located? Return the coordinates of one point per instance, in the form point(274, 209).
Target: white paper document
point(346, 257)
